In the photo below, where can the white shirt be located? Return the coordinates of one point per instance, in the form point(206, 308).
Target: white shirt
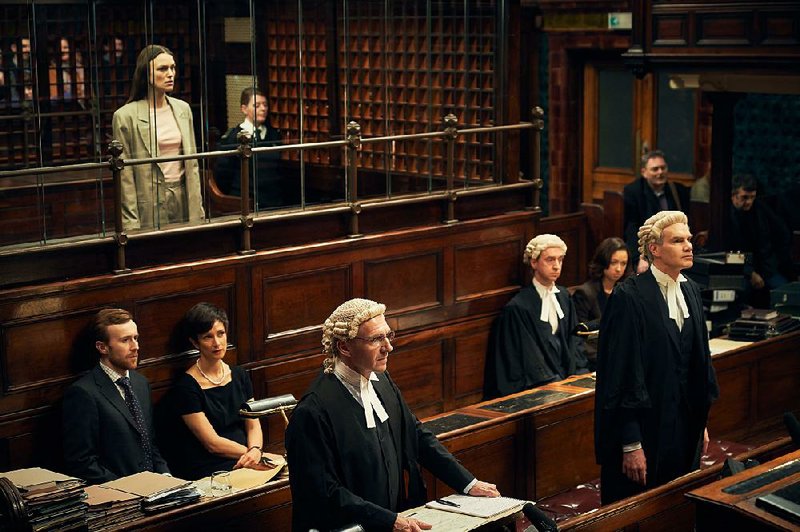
point(114, 376)
point(362, 391)
point(551, 309)
point(673, 295)
point(359, 388)
point(248, 126)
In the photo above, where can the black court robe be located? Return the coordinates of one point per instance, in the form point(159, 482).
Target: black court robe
point(336, 475)
point(638, 386)
point(521, 352)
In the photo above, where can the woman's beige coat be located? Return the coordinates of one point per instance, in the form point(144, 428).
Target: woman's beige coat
point(143, 204)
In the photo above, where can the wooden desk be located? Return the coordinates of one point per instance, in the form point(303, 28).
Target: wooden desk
point(717, 510)
point(267, 508)
point(540, 442)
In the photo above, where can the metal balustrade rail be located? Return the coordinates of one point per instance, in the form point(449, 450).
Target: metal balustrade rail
point(353, 142)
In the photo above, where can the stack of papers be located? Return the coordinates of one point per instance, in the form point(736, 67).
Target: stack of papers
point(157, 492)
point(484, 507)
point(52, 501)
point(110, 508)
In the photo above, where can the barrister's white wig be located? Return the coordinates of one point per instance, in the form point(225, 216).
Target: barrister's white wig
point(650, 232)
point(541, 243)
point(343, 324)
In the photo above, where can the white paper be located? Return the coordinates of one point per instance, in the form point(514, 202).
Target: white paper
point(477, 506)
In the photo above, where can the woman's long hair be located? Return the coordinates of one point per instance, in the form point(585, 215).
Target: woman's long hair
point(602, 258)
point(141, 76)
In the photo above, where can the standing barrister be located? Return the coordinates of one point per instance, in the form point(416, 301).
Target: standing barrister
point(655, 381)
point(354, 447)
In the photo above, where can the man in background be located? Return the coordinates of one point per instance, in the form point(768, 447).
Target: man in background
point(270, 190)
point(756, 229)
point(651, 193)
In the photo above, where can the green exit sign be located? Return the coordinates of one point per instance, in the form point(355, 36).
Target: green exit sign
point(620, 21)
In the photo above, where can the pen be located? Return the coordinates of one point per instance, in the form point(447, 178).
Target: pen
point(447, 503)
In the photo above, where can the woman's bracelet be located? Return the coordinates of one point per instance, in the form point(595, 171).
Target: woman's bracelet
point(253, 447)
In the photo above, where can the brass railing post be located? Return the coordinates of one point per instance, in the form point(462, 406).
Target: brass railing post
point(246, 218)
point(353, 145)
point(116, 164)
point(450, 123)
point(537, 114)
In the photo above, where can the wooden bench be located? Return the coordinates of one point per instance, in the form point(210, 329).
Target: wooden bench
point(539, 442)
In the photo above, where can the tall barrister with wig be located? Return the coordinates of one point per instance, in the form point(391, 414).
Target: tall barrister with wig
point(655, 381)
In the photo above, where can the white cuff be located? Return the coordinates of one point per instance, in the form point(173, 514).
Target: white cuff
point(469, 486)
point(629, 448)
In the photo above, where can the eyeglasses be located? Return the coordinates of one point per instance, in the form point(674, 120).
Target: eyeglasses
point(375, 341)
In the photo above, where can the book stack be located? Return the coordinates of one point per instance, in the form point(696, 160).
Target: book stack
point(52, 501)
point(759, 324)
point(722, 282)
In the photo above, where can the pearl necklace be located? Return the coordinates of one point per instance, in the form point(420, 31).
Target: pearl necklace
point(209, 379)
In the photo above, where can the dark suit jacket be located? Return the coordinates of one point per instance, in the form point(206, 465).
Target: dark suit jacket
point(586, 299)
point(272, 190)
point(101, 442)
point(641, 203)
point(131, 124)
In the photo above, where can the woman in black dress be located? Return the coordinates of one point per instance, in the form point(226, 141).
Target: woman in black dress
point(609, 266)
point(206, 433)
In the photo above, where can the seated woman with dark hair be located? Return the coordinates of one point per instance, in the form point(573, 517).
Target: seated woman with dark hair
point(206, 433)
point(609, 266)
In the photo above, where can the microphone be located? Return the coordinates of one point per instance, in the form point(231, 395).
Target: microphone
point(793, 427)
point(539, 519)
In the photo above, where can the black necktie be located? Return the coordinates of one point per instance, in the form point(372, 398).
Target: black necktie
point(138, 418)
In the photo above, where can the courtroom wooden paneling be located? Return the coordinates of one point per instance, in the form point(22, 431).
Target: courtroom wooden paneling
point(468, 367)
point(271, 230)
point(554, 429)
point(735, 388)
point(483, 266)
point(429, 277)
point(716, 34)
point(497, 453)
point(268, 510)
point(406, 364)
point(390, 281)
point(756, 387)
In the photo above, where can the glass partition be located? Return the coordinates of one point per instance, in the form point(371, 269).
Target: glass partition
point(296, 72)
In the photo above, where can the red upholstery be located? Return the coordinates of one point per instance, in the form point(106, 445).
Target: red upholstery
point(586, 497)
